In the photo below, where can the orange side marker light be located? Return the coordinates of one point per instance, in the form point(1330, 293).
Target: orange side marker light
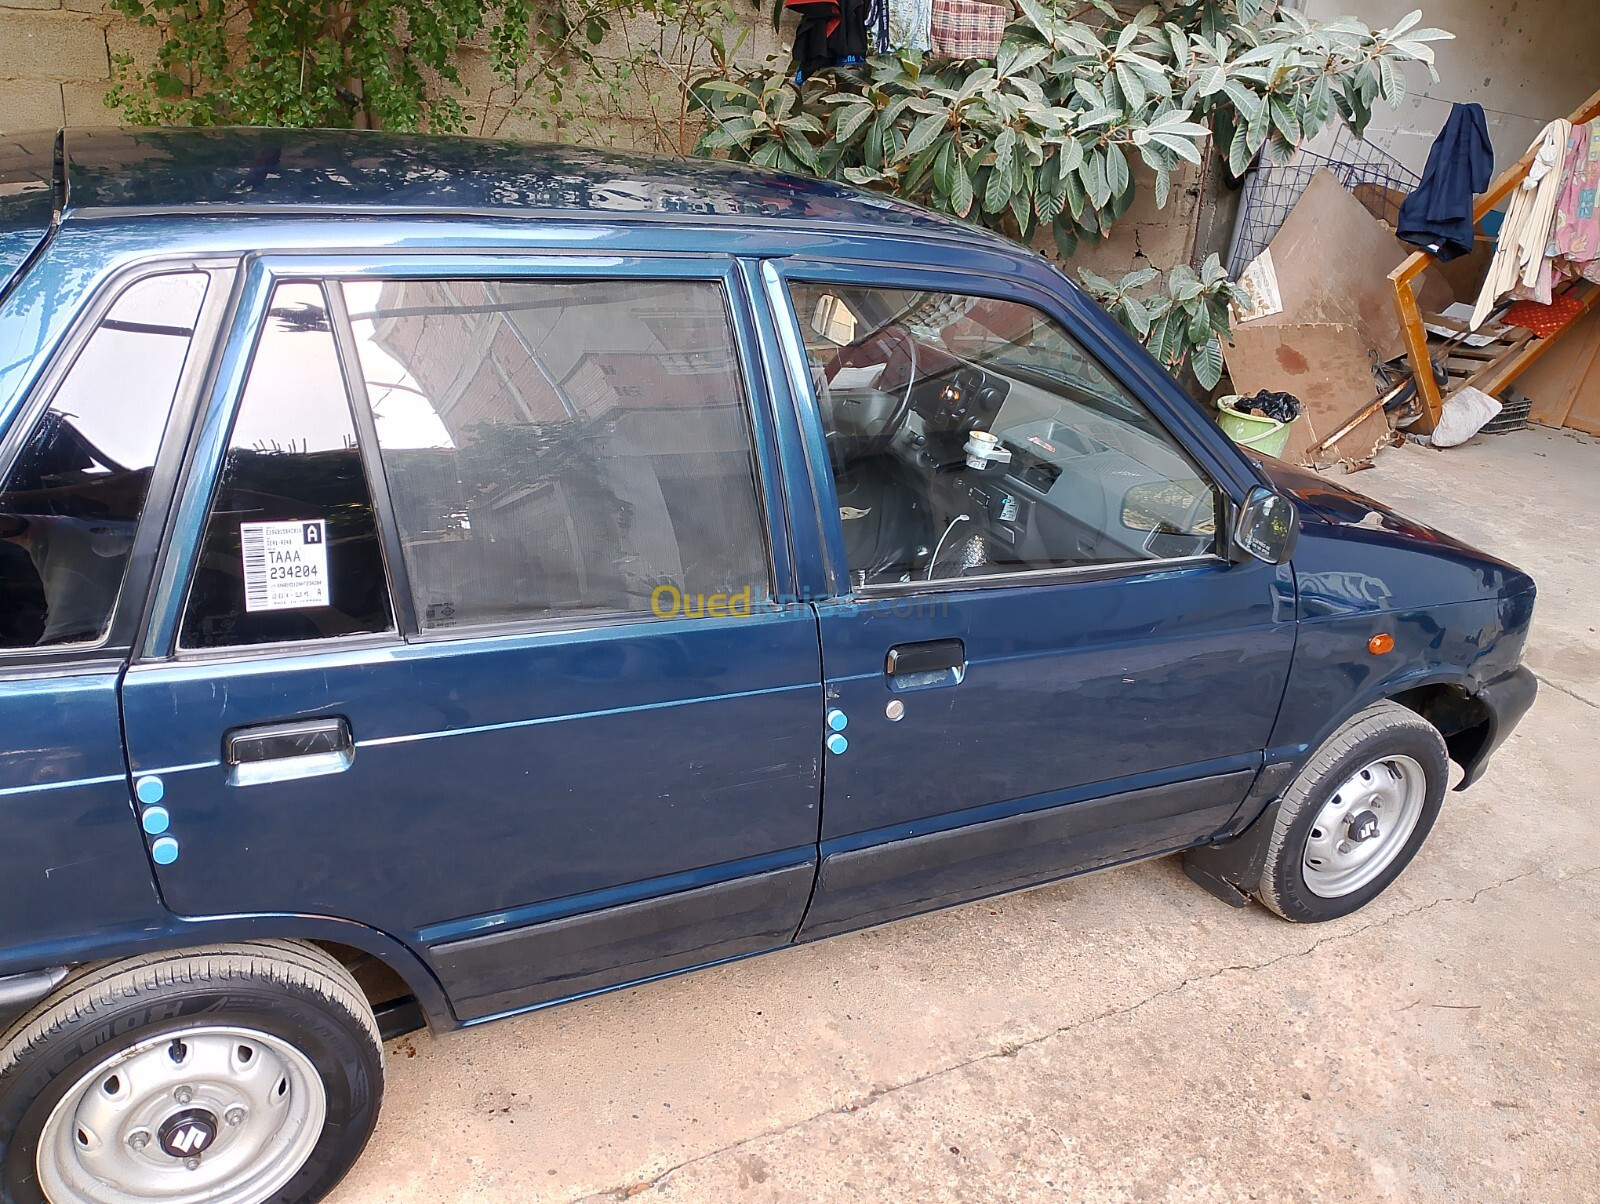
point(1380, 643)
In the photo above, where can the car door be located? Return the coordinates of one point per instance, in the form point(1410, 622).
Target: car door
point(469, 635)
point(86, 479)
point(1037, 658)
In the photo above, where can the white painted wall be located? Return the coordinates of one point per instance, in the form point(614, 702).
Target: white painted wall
point(1525, 61)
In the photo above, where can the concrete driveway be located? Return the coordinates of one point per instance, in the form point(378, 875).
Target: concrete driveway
point(1122, 1036)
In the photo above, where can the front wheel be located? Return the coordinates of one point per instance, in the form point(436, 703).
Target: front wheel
point(1355, 816)
point(235, 1074)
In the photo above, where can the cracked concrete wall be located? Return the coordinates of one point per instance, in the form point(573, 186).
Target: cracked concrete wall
point(55, 61)
point(1146, 236)
point(55, 68)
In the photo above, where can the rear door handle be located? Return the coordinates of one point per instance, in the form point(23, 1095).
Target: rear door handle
point(273, 752)
point(928, 663)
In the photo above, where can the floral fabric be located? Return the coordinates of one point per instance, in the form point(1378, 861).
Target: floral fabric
point(1576, 236)
point(910, 24)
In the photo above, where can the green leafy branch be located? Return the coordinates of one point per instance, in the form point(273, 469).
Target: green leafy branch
point(1052, 133)
point(1188, 320)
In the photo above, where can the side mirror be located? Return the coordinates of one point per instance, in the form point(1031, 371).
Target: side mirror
point(1267, 528)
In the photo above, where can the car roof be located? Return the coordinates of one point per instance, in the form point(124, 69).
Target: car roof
point(246, 170)
point(27, 197)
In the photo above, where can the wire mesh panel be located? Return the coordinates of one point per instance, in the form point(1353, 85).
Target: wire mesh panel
point(1375, 178)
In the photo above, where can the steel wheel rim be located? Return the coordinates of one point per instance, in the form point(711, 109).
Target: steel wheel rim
point(1387, 795)
point(132, 1130)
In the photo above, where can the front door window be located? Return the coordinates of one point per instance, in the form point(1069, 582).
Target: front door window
point(971, 437)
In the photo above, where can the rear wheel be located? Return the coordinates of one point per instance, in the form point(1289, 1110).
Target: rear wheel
point(235, 1074)
point(1355, 816)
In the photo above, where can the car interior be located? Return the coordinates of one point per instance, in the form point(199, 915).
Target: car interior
point(971, 436)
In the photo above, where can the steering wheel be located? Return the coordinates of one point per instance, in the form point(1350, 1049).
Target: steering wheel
point(881, 441)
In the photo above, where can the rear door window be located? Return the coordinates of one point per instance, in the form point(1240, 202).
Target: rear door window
point(559, 448)
point(291, 549)
point(72, 499)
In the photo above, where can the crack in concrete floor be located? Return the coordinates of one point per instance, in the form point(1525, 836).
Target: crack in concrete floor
point(1568, 691)
point(866, 1100)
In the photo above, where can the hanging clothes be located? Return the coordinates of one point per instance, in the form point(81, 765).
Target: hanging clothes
point(968, 29)
point(1438, 216)
point(910, 24)
point(1576, 237)
point(878, 27)
point(1520, 256)
point(830, 33)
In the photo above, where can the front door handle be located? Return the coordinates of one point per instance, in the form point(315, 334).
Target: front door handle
point(927, 663)
point(272, 752)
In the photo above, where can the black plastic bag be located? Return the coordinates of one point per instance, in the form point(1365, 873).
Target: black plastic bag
point(1280, 407)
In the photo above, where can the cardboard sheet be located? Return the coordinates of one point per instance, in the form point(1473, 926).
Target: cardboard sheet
point(1325, 365)
point(1259, 282)
point(1332, 260)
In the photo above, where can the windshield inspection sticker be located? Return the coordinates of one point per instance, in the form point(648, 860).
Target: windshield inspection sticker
point(285, 564)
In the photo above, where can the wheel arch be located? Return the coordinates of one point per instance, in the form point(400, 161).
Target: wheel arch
point(1464, 720)
point(402, 990)
point(1446, 698)
point(1231, 867)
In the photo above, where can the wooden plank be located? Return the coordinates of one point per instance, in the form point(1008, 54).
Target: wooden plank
point(1583, 399)
point(1585, 413)
point(1553, 382)
point(1585, 387)
point(1561, 393)
point(1494, 376)
point(1361, 415)
point(1416, 339)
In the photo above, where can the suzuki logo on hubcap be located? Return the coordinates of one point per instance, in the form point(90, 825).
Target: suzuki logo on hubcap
point(188, 1134)
point(1363, 826)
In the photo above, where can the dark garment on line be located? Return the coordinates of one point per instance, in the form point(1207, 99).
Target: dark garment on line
point(1438, 216)
point(830, 32)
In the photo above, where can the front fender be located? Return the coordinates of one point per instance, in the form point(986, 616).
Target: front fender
point(1335, 674)
point(1507, 699)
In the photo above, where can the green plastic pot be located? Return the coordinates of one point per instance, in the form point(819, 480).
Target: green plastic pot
point(1265, 435)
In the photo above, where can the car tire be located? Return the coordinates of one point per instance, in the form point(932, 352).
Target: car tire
point(1355, 815)
point(236, 1073)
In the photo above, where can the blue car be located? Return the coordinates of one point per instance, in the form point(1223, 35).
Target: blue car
point(443, 578)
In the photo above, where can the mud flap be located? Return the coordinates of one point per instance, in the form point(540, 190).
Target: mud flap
point(1232, 870)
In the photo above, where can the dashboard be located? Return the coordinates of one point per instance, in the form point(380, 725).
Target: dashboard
point(1066, 494)
point(966, 399)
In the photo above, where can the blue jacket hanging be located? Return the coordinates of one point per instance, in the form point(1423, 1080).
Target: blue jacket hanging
point(1438, 216)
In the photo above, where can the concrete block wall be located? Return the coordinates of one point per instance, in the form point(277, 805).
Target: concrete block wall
point(55, 62)
point(55, 68)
